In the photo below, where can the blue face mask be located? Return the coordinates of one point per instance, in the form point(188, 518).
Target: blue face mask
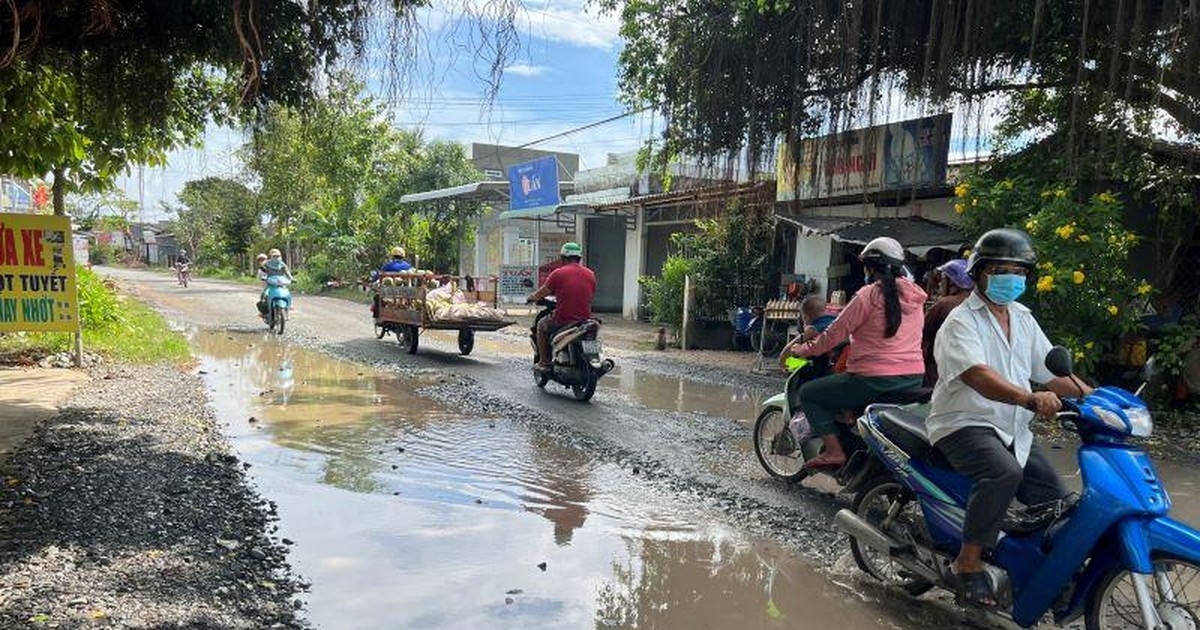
point(1004, 288)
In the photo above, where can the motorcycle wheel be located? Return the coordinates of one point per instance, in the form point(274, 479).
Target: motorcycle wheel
point(587, 389)
point(772, 435)
point(874, 504)
point(380, 331)
point(466, 341)
point(411, 339)
point(279, 317)
point(1175, 590)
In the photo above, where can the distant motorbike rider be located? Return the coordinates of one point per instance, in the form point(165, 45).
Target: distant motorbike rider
point(273, 266)
point(573, 285)
point(988, 350)
point(397, 263)
point(883, 322)
point(181, 261)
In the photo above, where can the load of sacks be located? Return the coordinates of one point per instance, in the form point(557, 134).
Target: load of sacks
point(448, 302)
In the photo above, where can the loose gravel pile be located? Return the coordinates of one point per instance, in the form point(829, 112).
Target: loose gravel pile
point(128, 510)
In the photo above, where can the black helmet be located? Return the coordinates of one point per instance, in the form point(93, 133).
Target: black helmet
point(1002, 245)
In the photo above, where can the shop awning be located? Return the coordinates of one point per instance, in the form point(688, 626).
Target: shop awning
point(916, 234)
point(574, 204)
point(482, 191)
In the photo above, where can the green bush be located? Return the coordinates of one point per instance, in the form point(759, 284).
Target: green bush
point(98, 306)
point(1081, 294)
point(664, 294)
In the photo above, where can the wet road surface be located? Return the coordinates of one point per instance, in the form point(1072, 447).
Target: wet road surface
point(417, 498)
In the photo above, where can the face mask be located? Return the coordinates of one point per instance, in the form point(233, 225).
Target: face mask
point(1005, 288)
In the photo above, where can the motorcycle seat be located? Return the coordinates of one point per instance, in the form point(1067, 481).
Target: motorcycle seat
point(907, 431)
point(574, 329)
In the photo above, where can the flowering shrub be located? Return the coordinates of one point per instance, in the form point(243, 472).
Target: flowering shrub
point(1081, 293)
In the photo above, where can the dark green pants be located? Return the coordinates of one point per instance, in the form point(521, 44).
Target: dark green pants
point(822, 398)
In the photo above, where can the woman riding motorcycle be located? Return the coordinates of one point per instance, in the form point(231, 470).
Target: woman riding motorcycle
point(883, 322)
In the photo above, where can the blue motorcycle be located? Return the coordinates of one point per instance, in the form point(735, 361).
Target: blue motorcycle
point(1111, 555)
point(278, 303)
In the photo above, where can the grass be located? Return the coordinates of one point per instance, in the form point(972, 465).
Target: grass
point(140, 336)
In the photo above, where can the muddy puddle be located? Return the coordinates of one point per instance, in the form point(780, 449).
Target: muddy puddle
point(406, 514)
point(671, 393)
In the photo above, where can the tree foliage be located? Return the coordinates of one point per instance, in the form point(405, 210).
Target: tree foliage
point(90, 87)
point(219, 219)
point(330, 179)
point(728, 75)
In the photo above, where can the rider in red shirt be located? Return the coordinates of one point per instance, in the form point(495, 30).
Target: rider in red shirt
point(574, 286)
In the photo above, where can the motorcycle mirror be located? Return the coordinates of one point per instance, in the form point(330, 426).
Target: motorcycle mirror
point(1058, 361)
point(1150, 369)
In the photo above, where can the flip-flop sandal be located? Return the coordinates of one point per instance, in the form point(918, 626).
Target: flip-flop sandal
point(974, 589)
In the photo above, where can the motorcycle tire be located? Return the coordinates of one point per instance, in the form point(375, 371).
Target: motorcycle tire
point(1180, 574)
point(412, 339)
point(466, 341)
point(380, 331)
point(764, 445)
point(278, 319)
point(585, 391)
point(888, 490)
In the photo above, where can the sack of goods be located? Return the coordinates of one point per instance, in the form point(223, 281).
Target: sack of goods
point(447, 303)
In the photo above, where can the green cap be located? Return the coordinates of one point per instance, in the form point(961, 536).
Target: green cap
point(572, 248)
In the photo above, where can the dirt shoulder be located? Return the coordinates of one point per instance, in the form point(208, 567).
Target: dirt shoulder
point(126, 508)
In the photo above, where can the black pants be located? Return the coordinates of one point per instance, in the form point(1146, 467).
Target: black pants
point(978, 453)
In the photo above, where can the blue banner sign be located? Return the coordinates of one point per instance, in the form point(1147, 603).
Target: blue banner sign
point(533, 184)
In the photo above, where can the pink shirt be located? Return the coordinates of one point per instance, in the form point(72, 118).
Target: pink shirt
point(863, 322)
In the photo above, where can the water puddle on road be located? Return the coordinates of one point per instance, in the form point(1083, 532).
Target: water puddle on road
point(408, 514)
point(672, 393)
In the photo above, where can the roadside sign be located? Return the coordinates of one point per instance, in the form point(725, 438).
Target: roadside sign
point(517, 282)
point(37, 274)
point(533, 184)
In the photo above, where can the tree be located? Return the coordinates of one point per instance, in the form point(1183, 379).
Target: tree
point(788, 68)
point(90, 87)
point(218, 214)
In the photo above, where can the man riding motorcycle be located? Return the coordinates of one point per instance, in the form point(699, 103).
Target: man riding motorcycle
point(988, 350)
point(574, 286)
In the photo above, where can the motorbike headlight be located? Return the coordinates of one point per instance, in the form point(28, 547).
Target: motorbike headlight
point(1139, 421)
point(1110, 418)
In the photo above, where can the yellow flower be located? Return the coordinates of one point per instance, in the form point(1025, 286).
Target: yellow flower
point(1131, 237)
point(1045, 284)
point(1060, 193)
point(1112, 240)
point(1144, 288)
point(1085, 238)
point(974, 202)
point(1007, 184)
point(1077, 277)
point(961, 190)
point(1112, 309)
point(959, 208)
point(1089, 345)
point(1031, 225)
point(1065, 231)
point(1106, 197)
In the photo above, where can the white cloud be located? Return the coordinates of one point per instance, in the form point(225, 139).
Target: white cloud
point(574, 22)
point(526, 70)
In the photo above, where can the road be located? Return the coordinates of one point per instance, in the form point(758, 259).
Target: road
point(663, 449)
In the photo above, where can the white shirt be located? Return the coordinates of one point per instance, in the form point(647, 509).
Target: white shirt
point(971, 336)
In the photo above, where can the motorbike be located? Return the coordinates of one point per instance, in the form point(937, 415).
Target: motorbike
point(183, 273)
point(1111, 555)
point(783, 441)
point(278, 303)
point(576, 351)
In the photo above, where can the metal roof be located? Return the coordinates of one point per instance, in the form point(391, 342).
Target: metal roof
point(916, 234)
point(493, 190)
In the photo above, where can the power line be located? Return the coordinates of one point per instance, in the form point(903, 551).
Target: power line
point(587, 126)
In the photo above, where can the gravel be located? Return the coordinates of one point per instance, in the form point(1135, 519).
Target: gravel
point(128, 510)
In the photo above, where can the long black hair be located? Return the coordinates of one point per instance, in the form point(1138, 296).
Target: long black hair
point(891, 295)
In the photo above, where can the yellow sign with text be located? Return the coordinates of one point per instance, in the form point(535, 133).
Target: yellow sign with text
point(37, 274)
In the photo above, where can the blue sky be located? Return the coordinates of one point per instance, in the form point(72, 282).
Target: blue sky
point(563, 76)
